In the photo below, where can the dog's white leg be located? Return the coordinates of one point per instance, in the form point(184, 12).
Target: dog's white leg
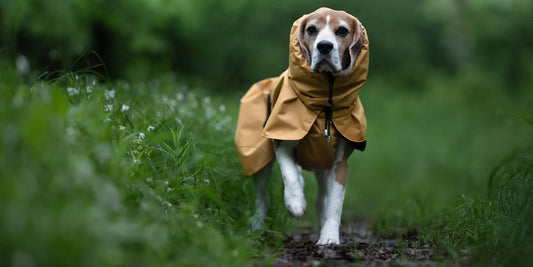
point(300, 176)
point(294, 195)
point(335, 181)
point(329, 233)
point(262, 200)
point(321, 197)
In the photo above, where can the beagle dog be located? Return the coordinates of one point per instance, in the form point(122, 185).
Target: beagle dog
point(325, 38)
point(329, 42)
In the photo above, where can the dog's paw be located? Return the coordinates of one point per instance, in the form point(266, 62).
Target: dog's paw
point(328, 240)
point(295, 204)
point(329, 234)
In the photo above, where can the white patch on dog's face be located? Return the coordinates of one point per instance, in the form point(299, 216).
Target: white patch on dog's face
point(326, 59)
point(325, 38)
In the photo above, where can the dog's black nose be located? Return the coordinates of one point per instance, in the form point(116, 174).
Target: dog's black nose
point(324, 46)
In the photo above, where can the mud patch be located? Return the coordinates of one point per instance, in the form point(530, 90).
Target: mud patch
point(358, 247)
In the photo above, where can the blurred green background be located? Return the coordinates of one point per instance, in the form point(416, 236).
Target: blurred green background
point(239, 42)
point(118, 118)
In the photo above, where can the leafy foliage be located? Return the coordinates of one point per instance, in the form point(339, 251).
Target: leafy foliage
point(116, 174)
point(240, 42)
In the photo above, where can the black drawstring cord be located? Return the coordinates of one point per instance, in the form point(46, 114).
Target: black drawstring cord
point(327, 132)
point(327, 127)
point(331, 79)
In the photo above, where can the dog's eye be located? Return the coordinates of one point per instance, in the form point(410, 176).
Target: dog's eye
point(312, 30)
point(341, 31)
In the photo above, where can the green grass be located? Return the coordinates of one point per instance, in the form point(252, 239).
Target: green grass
point(496, 228)
point(120, 174)
point(431, 157)
point(116, 173)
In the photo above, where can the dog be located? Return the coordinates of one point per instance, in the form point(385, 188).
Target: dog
point(309, 117)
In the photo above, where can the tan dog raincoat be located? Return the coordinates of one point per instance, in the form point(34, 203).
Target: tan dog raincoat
point(299, 98)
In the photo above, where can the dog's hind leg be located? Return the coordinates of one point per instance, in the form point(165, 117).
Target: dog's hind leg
point(292, 178)
point(262, 200)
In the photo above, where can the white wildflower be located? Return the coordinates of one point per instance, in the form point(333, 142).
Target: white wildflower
point(70, 131)
point(150, 128)
point(124, 108)
point(166, 203)
point(144, 205)
point(23, 65)
point(109, 94)
point(89, 90)
point(149, 179)
point(136, 162)
point(222, 123)
point(140, 138)
point(122, 128)
point(180, 96)
point(222, 108)
point(108, 107)
point(209, 112)
point(73, 91)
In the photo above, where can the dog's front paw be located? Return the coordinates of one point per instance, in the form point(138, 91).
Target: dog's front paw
point(328, 240)
point(329, 234)
point(295, 204)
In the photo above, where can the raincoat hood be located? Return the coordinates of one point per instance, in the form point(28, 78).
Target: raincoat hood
point(312, 87)
point(293, 107)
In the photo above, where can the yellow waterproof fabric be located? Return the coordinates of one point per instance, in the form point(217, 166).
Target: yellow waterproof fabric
point(254, 150)
point(298, 100)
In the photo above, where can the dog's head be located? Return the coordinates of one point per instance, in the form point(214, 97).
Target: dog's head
point(330, 40)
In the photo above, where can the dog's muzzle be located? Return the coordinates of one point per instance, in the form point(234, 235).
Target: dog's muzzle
point(324, 47)
point(325, 58)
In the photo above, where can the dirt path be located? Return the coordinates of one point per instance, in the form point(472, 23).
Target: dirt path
point(299, 249)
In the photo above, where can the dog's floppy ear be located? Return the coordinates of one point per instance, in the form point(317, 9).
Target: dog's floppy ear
point(301, 33)
point(358, 41)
